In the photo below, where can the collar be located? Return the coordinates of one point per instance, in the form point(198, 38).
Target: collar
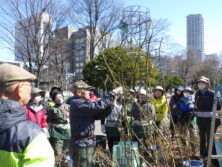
point(11, 112)
point(203, 91)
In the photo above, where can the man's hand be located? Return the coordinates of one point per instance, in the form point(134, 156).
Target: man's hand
point(118, 90)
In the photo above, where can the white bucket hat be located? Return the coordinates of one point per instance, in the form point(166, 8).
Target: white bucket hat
point(142, 91)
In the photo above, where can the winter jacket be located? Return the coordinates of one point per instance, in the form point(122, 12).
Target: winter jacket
point(161, 107)
point(115, 118)
point(147, 108)
point(204, 102)
point(37, 115)
point(69, 100)
point(174, 104)
point(22, 142)
point(83, 114)
point(186, 105)
point(58, 118)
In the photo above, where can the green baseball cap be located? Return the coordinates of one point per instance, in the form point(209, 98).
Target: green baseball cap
point(80, 85)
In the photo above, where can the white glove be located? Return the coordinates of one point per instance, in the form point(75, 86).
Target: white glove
point(118, 90)
point(191, 105)
point(103, 128)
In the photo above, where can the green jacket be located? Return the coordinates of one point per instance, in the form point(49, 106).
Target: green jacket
point(22, 142)
point(161, 107)
point(59, 124)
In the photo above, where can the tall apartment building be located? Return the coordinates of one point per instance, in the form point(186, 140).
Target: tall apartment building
point(195, 35)
point(64, 39)
point(81, 48)
point(31, 35)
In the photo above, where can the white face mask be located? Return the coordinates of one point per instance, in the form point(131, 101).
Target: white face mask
point(59, 101)
point(202, 86)
point(186, 94)
point(38, 99)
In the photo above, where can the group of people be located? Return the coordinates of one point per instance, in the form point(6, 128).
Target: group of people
point(189, 109)
point(30, 125)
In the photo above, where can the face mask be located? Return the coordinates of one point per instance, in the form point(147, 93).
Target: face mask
point(186, 94)
point(38, 99)
point(59, 101)
point(202, 86)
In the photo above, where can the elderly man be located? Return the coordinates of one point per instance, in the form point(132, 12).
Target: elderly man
point(22, 142)
point(83, 113)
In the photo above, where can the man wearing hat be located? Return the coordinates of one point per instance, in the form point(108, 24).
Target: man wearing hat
point(204, 100)
point(22, 142)
point(83, 113)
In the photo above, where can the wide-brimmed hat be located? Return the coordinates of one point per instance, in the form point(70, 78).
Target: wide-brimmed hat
point(204, 79)
point(159, 88)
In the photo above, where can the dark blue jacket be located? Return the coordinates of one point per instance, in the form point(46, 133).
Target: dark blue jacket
point(22, 142)
point(174, 104)
point(204, 102)
point(185, 105)
point(83, 114)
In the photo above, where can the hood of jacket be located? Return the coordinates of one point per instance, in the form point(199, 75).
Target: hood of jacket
point(11, 113)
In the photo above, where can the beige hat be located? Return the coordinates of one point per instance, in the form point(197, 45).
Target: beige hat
point(204, 79)
point(36, 91)
point(80, 85)
point(159, 88)
point(11, 73)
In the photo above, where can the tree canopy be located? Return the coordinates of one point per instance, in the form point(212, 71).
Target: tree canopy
point(173, 81)
point(129, 67)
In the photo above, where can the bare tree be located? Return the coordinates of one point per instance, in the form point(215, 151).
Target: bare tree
point(28, 28)
point(101, 17)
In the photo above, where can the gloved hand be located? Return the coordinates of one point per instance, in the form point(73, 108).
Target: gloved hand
point(118, 90)
point(191, 105)
point(103, 128)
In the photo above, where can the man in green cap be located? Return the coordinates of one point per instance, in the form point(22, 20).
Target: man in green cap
point(83, 113)
point(22, 142)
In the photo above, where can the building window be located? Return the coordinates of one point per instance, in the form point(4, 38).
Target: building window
point(82, 52)
point(81, 64)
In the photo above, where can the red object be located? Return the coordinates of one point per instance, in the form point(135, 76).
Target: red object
point(93, 97)
point(37, 117)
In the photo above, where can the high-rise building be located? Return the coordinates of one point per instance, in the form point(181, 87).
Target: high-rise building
point(63, 40)
point(31, 36)
point(195, 35)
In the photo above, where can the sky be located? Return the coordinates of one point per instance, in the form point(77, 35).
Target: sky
point(175, 11)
